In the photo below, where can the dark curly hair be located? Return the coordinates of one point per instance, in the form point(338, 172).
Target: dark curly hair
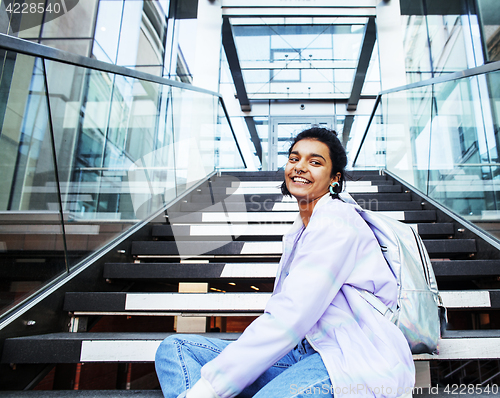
point(338, 155)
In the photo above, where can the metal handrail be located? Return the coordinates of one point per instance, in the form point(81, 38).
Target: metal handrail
point(11, 43)
point(480, 70)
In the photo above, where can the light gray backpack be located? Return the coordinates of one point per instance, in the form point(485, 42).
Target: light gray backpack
point(417, 313)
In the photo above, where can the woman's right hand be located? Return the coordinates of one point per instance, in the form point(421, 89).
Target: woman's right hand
point(202, 389)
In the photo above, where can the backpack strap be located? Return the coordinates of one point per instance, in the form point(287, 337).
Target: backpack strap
point(376, 303)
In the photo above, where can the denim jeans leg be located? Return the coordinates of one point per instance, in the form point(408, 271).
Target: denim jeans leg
point(302, 351)
point(308, 377)
point(279, 367)
point(179, 360)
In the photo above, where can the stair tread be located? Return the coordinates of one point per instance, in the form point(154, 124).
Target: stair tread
point(277, 174)
point(260, 270)
point(67, 336)
point(190, 271)
point(255, 206)
point(83, 394)
point(203, 216)
point(207, 229)
point(111, 347)
point(479, 267)
point(249, 247)
point(242, 302)
point(278, 197)
point(141, 336)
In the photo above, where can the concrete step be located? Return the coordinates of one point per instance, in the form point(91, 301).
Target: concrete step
point(88, 347)
point(82, 394)
point(191, 272)
point(279, 173)
point(278, 216)
point(209, 199)
point(237, 184)
point(454, 269)
point(82, 303)
point(445, 247)
point(360, 187)
point(141, 347)
point(253, 206)
point(225, 230)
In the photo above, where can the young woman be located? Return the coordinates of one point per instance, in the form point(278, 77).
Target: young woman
point(317, 336)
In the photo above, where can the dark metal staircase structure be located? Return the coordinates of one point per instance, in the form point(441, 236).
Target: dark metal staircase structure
point(211, 258)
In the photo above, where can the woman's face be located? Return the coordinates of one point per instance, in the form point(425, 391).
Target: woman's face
point(308, 171)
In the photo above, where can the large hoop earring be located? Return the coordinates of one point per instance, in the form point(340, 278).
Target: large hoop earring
point(334, 185)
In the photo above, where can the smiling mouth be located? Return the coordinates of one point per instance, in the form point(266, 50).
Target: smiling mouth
point(300, 180)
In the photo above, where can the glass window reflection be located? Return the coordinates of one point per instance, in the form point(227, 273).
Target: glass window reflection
point(299, 58)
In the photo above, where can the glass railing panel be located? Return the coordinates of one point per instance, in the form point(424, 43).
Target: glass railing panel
point(166, 150)
point(373, 148)
point(194, 119)
point(80, 113)
point(457, 178)
point(407, 121)
point(138, 162)
point(112, 159)
point(493, 104)
point(397, 120)
point(419, 125)
point(104, 147)
point(31, 233)
point(228, 152)
point(442, 138)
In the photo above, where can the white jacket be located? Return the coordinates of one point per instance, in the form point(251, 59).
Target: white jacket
point(365, 354)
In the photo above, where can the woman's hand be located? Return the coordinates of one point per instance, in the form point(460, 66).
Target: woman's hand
point(202, 389)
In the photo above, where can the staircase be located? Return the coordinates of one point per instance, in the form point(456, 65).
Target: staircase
point(208, 265)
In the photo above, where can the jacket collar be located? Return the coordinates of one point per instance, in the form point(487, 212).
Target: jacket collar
point(298, 224)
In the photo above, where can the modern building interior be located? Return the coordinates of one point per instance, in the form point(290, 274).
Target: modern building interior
point(141, 141)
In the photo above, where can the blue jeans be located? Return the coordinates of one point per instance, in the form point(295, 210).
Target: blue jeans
point(300, 373)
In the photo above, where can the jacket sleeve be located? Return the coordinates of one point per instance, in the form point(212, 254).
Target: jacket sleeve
point(322, 263)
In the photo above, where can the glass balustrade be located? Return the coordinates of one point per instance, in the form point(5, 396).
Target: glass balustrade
point(86, 154)
point(442, 137)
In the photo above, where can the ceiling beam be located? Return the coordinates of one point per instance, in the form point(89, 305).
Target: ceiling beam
point(365, 55)
point(234, 65)
point(346, 132)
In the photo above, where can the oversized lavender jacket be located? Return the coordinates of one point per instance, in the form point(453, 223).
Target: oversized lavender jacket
point(314, 296)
